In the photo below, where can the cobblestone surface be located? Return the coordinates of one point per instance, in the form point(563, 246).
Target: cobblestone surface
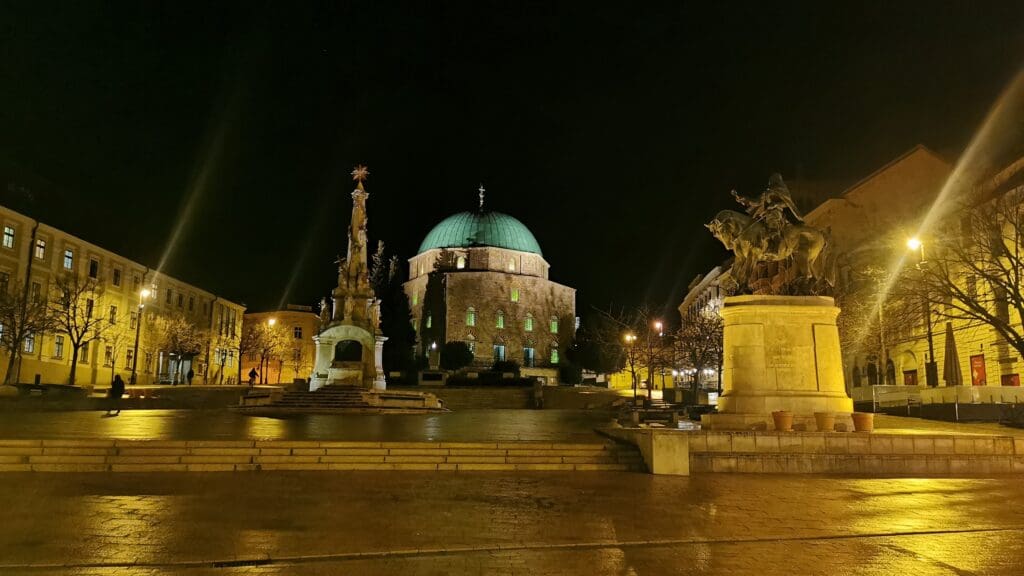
point(539, 523)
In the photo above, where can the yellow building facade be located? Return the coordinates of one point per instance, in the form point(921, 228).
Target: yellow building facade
point(298, 325)
point(41, 253)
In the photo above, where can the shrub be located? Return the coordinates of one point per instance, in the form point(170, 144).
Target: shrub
point(506, 366)
point(455, 355)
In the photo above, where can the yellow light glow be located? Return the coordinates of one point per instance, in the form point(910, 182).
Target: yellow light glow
point(272, 321)
point(914, 243)
point(145, 293)
point(629, 338)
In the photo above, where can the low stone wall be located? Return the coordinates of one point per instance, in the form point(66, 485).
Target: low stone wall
point(855, 453)
point(482, 397)
point(259, 455)
point(769, 452)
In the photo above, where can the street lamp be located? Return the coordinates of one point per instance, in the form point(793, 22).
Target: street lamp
point(630, 339)
point(650, 356)
point(931, 369)
point(143, 294)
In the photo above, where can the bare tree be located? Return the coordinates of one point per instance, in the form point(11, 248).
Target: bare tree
point(975, 272)
point(117, 337)
point(24, 314)
point(631, 335)
point(179, 337)
point(878, 307)
point(74, 306)
point(698, 344)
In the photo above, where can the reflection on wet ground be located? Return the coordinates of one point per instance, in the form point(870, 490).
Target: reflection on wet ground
point(516, 523)
point(461, 426)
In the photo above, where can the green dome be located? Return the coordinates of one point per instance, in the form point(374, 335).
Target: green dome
point(468, 229)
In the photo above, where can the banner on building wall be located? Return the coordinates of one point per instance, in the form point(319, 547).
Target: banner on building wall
point(978, 370)
point(1010, 379)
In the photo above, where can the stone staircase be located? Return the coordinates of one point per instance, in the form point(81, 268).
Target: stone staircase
point(332, 396)
point(104, 455)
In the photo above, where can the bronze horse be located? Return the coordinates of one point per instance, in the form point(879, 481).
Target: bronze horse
point(752, 242)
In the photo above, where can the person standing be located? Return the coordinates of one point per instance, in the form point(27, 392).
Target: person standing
point(116, 392)
point(252, 377)
point(190, 375)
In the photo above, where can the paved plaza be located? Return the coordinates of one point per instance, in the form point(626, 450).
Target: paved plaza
point(522, 523)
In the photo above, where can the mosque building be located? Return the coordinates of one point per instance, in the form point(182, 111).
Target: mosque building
point(481, 278)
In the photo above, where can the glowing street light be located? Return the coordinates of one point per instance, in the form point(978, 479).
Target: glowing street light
point(143, 295)
point(931, 369)
point(272, 321)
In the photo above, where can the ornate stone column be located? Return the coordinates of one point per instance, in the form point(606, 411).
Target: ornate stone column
point(379, 383)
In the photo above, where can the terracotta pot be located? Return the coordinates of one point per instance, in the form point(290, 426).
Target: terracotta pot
point(826, 421)
point(783, 420)
point(863, 421)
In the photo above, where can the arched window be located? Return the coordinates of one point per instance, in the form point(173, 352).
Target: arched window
point(528, 323)
point(554, 352)
point(429, 320)
point(470, 316)
point(553, 324)
point(499, 322)
point(460, 262)
point(471, 343)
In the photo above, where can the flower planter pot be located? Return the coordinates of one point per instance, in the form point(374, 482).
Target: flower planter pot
point(826, 421)
point(863, 421)
point(783, 420)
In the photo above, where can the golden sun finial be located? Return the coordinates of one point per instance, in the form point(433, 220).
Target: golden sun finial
point(360, 173)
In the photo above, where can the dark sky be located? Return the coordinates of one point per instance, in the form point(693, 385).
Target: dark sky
point(612, 130)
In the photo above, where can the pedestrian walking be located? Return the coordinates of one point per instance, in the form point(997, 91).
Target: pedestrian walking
point(190, 375)
point(252, 377)
point(115, 393)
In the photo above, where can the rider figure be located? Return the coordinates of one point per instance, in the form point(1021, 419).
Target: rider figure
point(770, 208)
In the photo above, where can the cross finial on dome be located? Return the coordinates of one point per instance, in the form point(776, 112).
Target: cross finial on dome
point(360, 173)
point(481, 189)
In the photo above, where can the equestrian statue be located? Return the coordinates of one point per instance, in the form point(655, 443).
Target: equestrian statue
point(775, 252)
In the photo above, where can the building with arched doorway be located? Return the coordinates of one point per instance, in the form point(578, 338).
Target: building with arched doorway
point(481, 278)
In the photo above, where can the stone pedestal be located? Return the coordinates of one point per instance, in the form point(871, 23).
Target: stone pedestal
point(780, 353)
point(379, 383)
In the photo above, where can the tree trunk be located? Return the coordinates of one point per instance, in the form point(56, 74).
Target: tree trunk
point(74, 362)
point(10, 365)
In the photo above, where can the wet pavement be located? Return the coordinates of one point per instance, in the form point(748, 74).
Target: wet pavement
point(525, 523)
point(461, 426)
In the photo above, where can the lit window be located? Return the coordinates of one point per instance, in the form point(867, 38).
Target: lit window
point(415, 298)
point(116, 277)
point(108, 356)
point(94, 268)
point(470, 317)
point(113, 314)
point(69, 259)
point(499, 352)
point(40, 248)
point(30, 343)
point(554, 355)
point(58, 346)
point(554, 325)
point(429, 320)
point(511, 264)
point(500, 322)
point(460, 262)
point(515, 294)
point(529, 357)
point(8, 237)
point(297, 332)
point(528, 324)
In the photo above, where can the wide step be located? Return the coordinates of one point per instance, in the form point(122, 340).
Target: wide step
point(254, 455)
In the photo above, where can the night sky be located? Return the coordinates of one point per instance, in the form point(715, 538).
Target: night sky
point(613, 131)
